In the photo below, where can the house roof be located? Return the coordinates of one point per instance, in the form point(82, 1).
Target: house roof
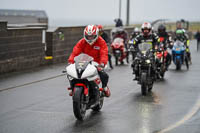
point(29, 13)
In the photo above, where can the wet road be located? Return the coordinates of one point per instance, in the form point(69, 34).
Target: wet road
point(43, 105)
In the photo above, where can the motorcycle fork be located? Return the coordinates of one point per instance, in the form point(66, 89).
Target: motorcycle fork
point(85, 88)
point(85, 91)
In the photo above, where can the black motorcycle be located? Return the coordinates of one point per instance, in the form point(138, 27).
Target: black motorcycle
point(144, 63)
point(132, 50)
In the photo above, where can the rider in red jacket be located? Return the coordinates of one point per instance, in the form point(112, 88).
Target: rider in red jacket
point(98, 50)
point(95, 46)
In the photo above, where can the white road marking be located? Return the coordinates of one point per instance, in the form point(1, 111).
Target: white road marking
point(192, 112)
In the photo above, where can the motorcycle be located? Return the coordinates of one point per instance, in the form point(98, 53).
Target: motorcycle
point(145, 63)
point(85, 85)
point(118, 50)
point(161, 60)
point(179, 55)
point(132, 49)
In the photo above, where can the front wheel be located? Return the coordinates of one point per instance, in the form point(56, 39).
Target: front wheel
point(116, 60)
point(143, 83)
point(79, 106)
point(144, 89)
point(178, 65)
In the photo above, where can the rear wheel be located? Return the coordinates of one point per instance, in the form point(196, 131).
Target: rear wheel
point(100, 104)
point(79, 106)
point(162, 74)
point(150, 87)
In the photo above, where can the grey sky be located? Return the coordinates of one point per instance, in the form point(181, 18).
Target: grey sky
point(81, 12)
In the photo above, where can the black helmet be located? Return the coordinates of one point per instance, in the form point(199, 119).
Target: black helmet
point(161, 28)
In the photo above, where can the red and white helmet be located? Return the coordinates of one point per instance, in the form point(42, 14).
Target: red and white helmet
point(91, 33)
point(100, 27)
point(146, 28)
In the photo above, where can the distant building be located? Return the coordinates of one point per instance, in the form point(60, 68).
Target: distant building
point(26, 18)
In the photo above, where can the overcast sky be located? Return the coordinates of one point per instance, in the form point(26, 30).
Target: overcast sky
point(81, 12)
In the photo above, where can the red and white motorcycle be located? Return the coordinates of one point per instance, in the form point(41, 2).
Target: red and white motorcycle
point(85, 85)
point(118, 50)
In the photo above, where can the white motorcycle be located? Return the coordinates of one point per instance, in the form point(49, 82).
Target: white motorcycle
point(85, 84)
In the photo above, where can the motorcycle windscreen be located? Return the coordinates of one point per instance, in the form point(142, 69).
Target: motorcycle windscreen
point(83, 58)
point(178, 46)
point(144, 47)
point(81, 62)
point(118, 40)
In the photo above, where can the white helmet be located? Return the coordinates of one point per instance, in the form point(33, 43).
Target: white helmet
point(91, 33)
point(136, 29)
point(146, 28)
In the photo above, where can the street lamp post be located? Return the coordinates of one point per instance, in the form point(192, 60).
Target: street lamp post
point(127, 12)
point(120, 3)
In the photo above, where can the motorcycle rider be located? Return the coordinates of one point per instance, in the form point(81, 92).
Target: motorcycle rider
point(163, 34)
point(107, 40)
point(149, 37)
point(93, 45)
point(197, 36)
point(135, 32)
point(120, 32)
point(118, 22)
point(182, 36)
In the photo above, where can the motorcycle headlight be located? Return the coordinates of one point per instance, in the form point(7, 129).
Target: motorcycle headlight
point(148, 61)
point(70, 77)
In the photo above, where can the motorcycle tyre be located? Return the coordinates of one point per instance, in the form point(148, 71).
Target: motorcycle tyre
point(143, 84)
point(79, 107)
point(98, 107)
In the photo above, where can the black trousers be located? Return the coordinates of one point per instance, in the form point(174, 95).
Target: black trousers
point(198, 43)
point(104, 78)
point(109, 60)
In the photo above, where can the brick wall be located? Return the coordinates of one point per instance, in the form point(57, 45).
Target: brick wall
point(23, 48)
point(20, 49)
point(62, 42)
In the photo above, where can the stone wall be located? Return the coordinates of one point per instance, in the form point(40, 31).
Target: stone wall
point(60, 42)
point(20, 49)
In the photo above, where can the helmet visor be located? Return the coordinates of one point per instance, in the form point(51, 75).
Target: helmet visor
point(90, 37)
point(146, 31)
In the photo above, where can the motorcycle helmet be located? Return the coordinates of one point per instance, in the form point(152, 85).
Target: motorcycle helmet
point(146, 29)
point(179, 32)
point(91, 33)
point(100, 27)
point(136, 30)
point(161, 29)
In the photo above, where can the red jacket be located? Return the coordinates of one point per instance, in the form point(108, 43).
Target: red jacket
point(98, 50)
